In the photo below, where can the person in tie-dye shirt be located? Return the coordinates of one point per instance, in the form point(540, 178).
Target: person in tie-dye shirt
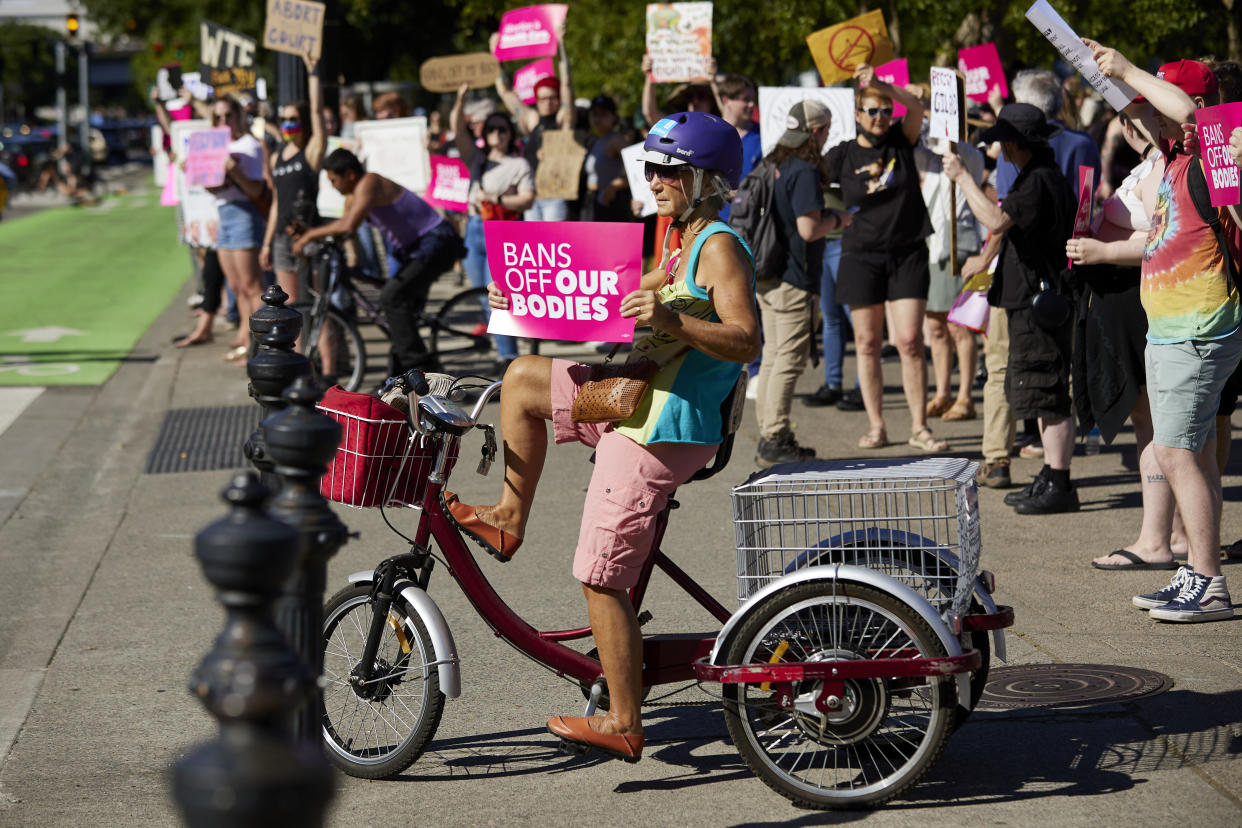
point(1194, 338)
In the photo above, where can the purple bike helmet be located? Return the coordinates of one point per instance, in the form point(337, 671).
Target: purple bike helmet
point(703, 142)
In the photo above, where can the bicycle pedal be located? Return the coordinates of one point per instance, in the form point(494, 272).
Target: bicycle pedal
point(573, 748)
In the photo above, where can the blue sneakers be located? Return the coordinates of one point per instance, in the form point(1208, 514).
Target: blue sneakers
point(1160, 597)
point(1202, 598)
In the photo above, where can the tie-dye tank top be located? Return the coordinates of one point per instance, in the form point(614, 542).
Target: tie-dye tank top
point(1185, 289)
point(683, 405)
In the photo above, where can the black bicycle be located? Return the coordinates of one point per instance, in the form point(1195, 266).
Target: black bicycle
point(457, 337)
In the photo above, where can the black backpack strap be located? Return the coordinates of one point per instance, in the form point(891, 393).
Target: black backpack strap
point(1196, 182)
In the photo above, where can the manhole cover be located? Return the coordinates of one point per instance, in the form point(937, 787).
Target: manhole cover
point(203, 439)
point(1069, 685)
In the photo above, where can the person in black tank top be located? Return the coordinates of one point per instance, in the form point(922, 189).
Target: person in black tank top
point(295, 181)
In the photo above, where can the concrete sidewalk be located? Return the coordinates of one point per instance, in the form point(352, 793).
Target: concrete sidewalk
point(104, 615)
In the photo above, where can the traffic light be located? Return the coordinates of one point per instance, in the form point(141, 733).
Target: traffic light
point(72, 24)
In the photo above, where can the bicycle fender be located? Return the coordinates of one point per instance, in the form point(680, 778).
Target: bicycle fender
point(858, 575)
point(449, 667)
point(989, 606)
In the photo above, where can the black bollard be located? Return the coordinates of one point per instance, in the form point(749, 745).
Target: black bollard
point(301, 442)
point(273, 369)
point(252, 774)
point(275, 312)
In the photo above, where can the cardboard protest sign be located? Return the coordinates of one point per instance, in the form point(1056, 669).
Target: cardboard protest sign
point(199, 218)
point(450, 184)
point(679, 40)
point(948, 105)
point(330, 203)
point(1045, 18)
point(294, 26)
point(168, 81)
point(447, 74)
point(632, 158)
point(895, 73)
point(839, 50)
point(776, 101)
point(193, 82)
point(228, 60)
point(524, 79)
point(982, 67)
point(560, 166)
point(530, 32)
point(206, 152)
point(396, 148)
point(1215, 123)
point(565, 279)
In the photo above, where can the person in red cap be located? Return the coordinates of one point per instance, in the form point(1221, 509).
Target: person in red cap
point(1194, 334)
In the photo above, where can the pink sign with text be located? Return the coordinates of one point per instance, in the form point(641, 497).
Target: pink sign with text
point(529, 32)
point(1086, 197)
point(524, 79)
point(564, 279)
point(1215, 123)
point(206, 152)
point(982, 67)
point(895, 73)
point(449, 188)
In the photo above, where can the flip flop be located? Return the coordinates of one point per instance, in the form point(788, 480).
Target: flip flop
point(1136, 562)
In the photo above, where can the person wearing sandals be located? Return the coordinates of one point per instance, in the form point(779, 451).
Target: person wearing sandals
point(944, 338)
point(1036, 219)
point(700, 304)
point(884, 251)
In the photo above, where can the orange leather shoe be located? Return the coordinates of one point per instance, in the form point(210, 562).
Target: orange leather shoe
point(497, 542)
point(628, 747)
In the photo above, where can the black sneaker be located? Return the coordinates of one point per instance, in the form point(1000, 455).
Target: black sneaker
point(1028, 491)
point(851, 401)
point(1051, 499)
point(826, 395)
point(994, 475)
point(783, 449)
point(889, 353)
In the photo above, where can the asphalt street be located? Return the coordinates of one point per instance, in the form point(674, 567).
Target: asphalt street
point(104, 613)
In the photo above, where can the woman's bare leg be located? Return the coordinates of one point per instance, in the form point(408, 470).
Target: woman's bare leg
point(868, 321)
point(936, 328)
point(524, 406)
point(907, 335)
point(967, 356)
point(620, 648)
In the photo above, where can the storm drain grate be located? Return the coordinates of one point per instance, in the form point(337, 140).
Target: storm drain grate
point(1069, 685)
point(203, 439)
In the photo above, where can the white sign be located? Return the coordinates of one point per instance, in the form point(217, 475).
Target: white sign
point(159, 156)
point(1045, 18)
point(200, 221)
point(331, 204)
point(632, 158)
point(776, 101)
point(945, 120)
point(396, 148)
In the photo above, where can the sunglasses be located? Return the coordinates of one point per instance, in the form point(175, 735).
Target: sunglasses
point(495, 128)
point(877, 111)
point(668, 173)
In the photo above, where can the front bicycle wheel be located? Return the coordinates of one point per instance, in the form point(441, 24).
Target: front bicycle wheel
point(378, 729)
point(887, 731)
point(338, 353)
point(459, 338)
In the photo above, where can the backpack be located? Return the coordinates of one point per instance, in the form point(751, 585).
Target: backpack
point(1196, 182)
point(754, 216)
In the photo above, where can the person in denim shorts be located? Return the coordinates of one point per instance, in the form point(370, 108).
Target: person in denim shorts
point(700, 305)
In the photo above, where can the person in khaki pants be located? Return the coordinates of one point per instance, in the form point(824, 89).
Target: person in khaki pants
point(999, 428)
point(786, 305)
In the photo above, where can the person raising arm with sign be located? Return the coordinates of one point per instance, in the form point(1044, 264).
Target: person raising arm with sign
point(423, 243)
point(700, 305)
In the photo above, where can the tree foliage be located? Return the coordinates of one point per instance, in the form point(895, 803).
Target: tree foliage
point(389, 39)
point(28, 66)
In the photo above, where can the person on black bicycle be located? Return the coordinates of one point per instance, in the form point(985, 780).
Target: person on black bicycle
point(422, 241)
point(700, 304)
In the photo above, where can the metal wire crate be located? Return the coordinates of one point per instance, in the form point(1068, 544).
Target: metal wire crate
point(915, 520)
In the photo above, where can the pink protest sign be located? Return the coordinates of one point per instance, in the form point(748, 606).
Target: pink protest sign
point(1086, 196)
point(982, 67)
point(206, 152)
point(896, 73)
point(564, 280)
point(168, 196)
point(524, 79)
point(1215, 123)
point(529, 32)
point(450, 184)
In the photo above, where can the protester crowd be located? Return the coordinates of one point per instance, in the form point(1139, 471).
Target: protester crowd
point(1135, 317)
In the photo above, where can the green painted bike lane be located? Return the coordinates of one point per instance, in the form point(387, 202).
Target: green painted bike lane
point(79, 286)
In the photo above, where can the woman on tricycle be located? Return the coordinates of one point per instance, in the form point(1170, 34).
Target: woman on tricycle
point(700, 304)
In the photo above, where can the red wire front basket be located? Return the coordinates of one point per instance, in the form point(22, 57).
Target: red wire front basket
point(381, 461)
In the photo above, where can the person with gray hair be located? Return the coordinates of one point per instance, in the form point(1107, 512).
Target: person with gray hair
point(1042, 89)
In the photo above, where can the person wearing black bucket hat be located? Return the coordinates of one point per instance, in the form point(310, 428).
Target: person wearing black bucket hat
point(1036, 219)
